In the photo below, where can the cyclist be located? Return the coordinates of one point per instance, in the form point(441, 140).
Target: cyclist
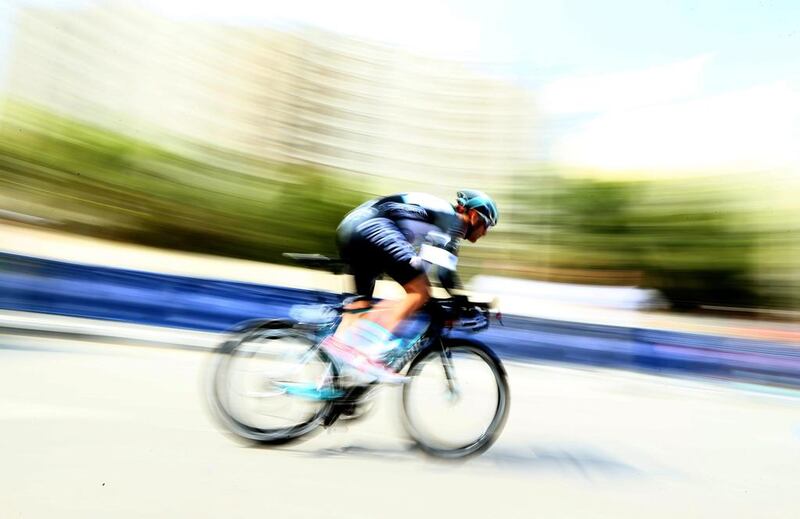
point(405, 236)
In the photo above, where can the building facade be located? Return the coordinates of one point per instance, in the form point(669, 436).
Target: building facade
point(302, 95)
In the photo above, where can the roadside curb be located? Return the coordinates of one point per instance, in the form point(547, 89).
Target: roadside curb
point(26, 323)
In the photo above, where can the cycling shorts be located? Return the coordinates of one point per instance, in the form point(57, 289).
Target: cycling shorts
point(376, 246)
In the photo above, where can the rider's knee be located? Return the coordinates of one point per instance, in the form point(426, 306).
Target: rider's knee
point(417, 285)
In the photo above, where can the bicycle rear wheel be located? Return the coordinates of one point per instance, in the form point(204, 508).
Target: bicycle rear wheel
point(460, 414)
point(271, 384)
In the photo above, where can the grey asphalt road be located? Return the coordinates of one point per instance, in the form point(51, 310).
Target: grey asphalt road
point(110, 430)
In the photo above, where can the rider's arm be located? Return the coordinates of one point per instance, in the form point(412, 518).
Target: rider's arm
point(449, 279)
point(441, 251)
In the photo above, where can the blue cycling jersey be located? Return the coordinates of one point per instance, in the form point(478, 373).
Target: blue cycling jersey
point(406, 233)
point(422, 218)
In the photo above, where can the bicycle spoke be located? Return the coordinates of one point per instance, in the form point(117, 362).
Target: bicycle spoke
point(274, 385)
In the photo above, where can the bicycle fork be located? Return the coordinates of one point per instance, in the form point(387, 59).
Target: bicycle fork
point(447, 363)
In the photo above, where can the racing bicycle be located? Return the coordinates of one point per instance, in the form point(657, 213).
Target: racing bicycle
point(272, 383)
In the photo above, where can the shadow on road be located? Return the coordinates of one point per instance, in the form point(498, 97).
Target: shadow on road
point(583, 461)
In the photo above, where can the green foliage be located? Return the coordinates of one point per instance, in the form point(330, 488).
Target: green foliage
point(699, 251)
point(686, 238)
point(118, 187)
point(682, 238)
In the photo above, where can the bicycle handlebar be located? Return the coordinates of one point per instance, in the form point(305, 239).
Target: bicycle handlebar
point(459, 313)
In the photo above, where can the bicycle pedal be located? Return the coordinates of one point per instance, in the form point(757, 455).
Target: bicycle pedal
point(356, 411)
point(350, 411)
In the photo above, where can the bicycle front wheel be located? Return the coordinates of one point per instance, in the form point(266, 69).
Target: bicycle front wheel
point(271, 384)
point(457, 401)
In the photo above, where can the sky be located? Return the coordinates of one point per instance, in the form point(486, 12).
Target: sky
point(620, 84)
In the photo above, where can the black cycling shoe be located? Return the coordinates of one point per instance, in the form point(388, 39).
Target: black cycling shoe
point(357, 403)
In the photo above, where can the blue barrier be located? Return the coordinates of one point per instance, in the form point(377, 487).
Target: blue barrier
point(55, 287)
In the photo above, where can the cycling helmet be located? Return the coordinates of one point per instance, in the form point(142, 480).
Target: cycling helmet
point(481, 202)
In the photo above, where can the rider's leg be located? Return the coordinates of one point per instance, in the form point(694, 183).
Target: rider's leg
point(362, 337)
point(387, 247)
point(389, 314)
point(364, 279)
point(376, 247)
point(350, 318)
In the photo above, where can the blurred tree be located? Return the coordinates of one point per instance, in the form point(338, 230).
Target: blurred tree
point(94, 181)
point(596, 222)
point(684, 238)
point(699, 250)
point(687, 238)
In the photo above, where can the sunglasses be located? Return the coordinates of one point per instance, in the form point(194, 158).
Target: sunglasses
point(486, 221)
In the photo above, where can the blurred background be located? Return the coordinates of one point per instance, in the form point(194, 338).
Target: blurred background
point(157, 157)
point(620, 152)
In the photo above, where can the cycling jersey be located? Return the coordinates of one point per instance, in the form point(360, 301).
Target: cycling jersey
point(403, 235)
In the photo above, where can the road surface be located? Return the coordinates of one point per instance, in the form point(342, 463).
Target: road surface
point(91, 429)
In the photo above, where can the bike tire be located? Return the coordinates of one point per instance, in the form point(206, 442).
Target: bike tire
point(500, 412)
point(222, 381)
